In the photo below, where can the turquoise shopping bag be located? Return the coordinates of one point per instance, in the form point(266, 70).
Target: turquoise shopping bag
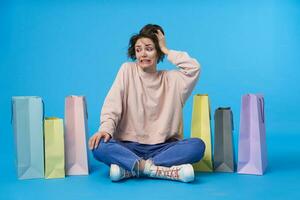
point(27, 120)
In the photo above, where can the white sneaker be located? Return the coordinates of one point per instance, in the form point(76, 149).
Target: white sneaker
point(117, 173)
point(184, 173)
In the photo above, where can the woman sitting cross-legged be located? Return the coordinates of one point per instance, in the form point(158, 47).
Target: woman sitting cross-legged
point(141, 117)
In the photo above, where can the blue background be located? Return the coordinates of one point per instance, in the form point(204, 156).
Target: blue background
point(57, 48)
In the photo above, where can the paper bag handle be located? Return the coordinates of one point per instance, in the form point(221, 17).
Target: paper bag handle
point(262, 110)
point(85, 107)
point(232, 119)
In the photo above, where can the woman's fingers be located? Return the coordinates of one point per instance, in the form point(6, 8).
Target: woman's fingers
point(159, 37)
point(97, 141)
point(159, 33)
point(92, 142)
point(162, 42)
point(106, 137)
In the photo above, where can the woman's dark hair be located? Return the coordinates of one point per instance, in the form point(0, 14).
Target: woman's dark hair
point(147, 31)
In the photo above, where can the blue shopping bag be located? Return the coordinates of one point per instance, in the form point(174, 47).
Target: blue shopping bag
point(27, 120)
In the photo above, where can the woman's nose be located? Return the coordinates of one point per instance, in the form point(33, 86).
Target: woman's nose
point(143, 52)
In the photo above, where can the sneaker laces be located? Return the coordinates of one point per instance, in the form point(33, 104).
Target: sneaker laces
point(172, 172)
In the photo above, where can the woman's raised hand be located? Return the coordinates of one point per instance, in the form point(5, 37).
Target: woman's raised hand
point(162, 42)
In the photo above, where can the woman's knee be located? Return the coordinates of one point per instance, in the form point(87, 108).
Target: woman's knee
point(197, 148)
point(101, 150)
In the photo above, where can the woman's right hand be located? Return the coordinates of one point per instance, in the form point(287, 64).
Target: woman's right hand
point(95, 139)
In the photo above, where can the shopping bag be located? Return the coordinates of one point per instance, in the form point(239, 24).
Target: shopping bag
point(54, 148)
point(27, 120)
point(201, 129)
point(76, 130)
point(223, 140)
point(252, 149)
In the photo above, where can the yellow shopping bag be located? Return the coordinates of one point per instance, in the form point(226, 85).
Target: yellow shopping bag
point(201, 129)
point(54, 148)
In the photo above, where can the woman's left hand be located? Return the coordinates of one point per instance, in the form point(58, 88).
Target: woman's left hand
point(162, 42)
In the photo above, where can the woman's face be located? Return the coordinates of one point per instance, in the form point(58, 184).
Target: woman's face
point(146, 54)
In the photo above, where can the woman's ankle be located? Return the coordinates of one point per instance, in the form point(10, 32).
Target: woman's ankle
point(139, 166)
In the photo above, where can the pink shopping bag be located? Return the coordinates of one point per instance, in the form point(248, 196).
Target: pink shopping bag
point(75, 136)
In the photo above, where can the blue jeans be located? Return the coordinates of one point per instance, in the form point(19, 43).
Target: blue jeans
point(126, 154)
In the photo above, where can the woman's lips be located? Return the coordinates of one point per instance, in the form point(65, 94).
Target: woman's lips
point(146, 61)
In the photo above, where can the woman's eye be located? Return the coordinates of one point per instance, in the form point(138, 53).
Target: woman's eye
point(137, 50)
point(149, 49)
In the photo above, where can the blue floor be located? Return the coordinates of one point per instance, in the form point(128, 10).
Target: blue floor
point(281, 181)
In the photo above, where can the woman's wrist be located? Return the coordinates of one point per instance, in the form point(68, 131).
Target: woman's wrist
point(165, 51)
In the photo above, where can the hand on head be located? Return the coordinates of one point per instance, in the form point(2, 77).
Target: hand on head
point(162, 42)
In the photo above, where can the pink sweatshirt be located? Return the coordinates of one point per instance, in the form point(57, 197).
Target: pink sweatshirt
point(147, 107)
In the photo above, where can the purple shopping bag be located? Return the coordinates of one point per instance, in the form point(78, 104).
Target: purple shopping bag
point(252, 149)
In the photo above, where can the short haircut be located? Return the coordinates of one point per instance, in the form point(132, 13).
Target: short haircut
point(147, 31)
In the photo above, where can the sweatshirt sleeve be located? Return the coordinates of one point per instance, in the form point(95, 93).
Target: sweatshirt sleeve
point(112, 107)
point(188, 73)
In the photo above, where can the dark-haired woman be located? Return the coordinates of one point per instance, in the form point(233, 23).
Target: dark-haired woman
point(139, 133)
